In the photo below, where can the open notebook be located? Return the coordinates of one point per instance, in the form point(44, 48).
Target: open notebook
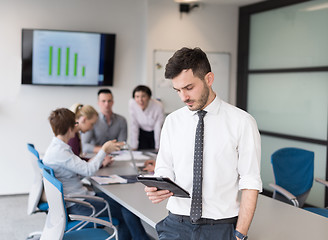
point(111, 179)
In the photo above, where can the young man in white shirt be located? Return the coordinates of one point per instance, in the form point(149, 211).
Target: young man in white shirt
point(230, 157)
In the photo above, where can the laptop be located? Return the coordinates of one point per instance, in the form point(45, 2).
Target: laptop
point(136, 166)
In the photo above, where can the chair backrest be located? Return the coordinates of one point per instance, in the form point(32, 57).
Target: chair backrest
point(293, 170)
point(37, 163)
point(48, 169)
point(57, 216)
point(32, 149)
point(36, 190)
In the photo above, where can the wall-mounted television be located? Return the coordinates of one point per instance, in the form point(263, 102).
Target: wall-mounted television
point(72, 58)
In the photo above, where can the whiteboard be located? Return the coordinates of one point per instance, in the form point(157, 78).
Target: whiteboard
point(163, 89)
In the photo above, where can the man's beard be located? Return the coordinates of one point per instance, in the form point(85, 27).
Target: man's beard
point(199, 104)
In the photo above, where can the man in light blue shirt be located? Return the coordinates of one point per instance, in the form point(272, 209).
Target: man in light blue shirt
point(109, 126)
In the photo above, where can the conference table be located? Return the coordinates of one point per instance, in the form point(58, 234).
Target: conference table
point(273, 220)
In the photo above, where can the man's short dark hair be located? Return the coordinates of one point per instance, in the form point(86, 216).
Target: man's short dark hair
point(142, 88)
point(61, 120)
point(187, 58)
point(104, 90)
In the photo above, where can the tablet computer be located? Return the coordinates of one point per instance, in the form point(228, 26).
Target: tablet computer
point(164, 183)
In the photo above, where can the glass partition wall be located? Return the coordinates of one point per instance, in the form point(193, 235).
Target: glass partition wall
point(283, 80)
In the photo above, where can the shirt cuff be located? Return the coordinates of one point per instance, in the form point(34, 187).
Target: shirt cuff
point(101, 154)
point(250, 182)
point(88, 148)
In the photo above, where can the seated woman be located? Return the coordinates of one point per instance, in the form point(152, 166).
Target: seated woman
point(86, 116)
point(69, 168)
point(147, 117)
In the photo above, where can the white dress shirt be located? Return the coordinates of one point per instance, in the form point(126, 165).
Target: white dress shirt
point(150, 119)
point(232, 154)
point(69, 168)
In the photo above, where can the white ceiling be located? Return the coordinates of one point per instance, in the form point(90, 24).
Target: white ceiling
point(234, 2)
point(226, 2)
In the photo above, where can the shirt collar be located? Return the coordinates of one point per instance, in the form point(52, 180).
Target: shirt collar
point(102, 116)
point(212, 108)
point(61, 142)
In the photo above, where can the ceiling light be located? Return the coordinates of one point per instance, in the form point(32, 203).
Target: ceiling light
point(187, 1)
point(317, 7)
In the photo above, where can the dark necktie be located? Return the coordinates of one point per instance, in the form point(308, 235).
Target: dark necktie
point(196, 201)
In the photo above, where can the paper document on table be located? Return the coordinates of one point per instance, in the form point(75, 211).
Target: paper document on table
point(109, 179)
point(139, 164)
point(126, 155)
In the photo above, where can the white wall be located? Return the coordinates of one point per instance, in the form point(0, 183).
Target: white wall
point(211, 27)
point(141, 26)
point(24, 109)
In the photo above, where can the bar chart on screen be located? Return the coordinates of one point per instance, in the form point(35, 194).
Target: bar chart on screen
point(57, 62)
point(68, 57)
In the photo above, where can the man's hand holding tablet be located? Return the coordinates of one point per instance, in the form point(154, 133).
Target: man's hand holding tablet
point(161, 188)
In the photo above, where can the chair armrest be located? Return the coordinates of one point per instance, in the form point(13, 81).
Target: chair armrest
point(89, 205)
point(285, 193)
point(99, 199)
point(96, 221)
point(91, 219)
point(319, 180)
point(95, 198)
point(81, 202)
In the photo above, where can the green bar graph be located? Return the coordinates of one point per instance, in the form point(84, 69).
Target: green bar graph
point(67, 61)
point(83, 71)
point(75, 64)
point(50, 60)
point(58, 61)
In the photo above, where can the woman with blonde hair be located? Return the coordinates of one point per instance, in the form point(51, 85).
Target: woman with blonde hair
point(85, 116)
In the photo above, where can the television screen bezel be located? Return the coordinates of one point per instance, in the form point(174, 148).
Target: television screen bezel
point(27, 57)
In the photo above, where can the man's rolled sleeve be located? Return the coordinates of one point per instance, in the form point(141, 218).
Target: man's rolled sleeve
point(249, 162)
